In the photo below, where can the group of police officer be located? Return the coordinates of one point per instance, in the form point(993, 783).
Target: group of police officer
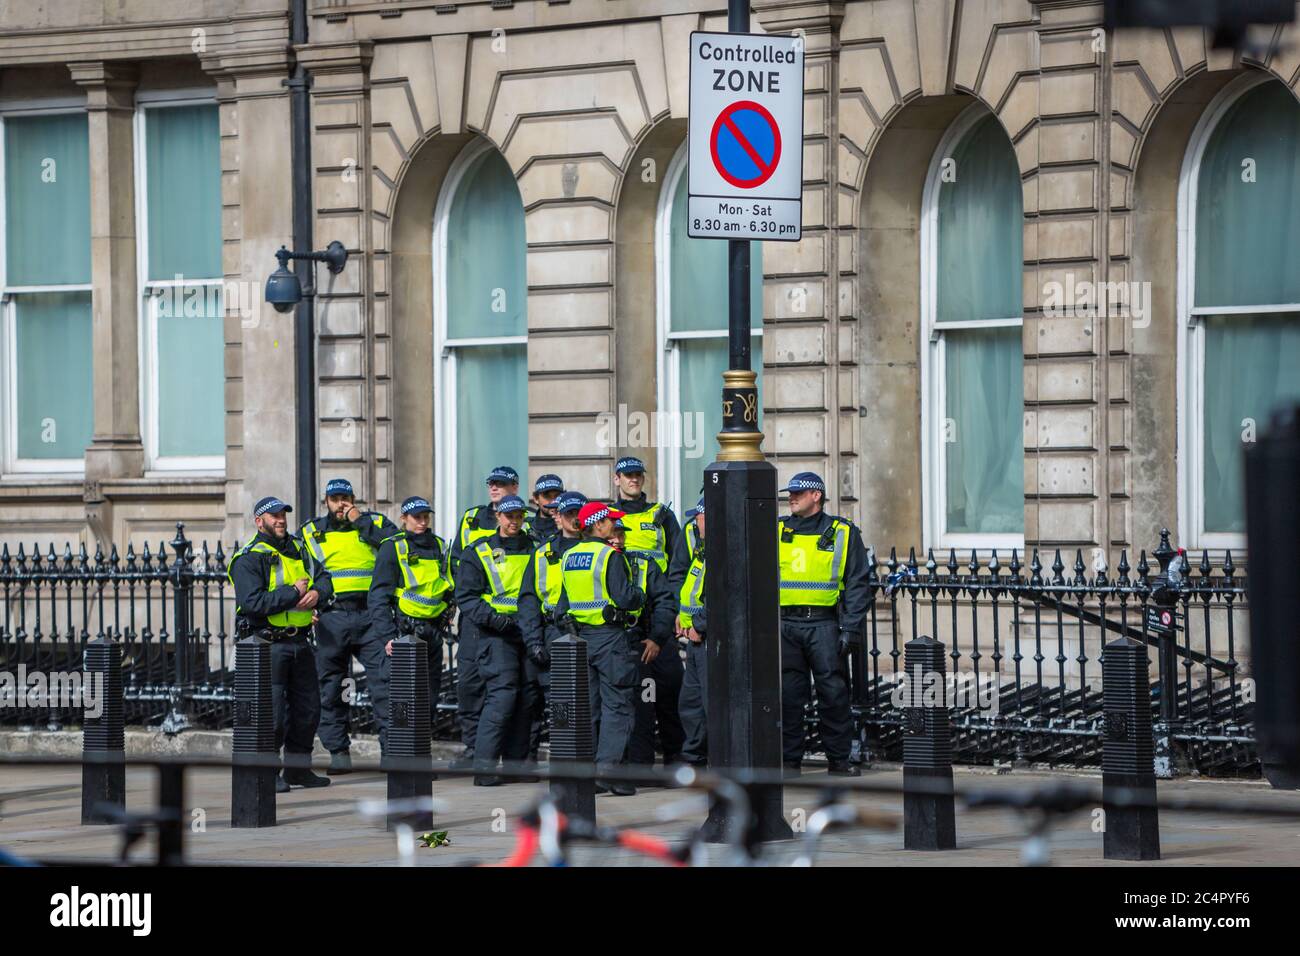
point(625, 577)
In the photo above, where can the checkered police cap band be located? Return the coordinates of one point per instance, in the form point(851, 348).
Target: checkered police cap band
point(510, 503)
point(595, 516)
point(629, 464)
point(504, 473)
point(549, 483)
point(270, 505)
point(415, 505)
point(338, 486)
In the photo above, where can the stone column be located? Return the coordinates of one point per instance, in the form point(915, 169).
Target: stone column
point(116, 450)
point(809, 329)
point(257, 201)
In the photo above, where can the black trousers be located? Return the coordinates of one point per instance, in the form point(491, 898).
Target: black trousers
point(542, 694)
point(657, 700)
point(469, 684)
point(295, 697)
point(694, 704)
point(509, 699)
point(812, 647)
point(613, 666)
point(343, 633)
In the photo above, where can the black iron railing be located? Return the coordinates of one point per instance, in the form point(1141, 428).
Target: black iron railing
point(1024, 644)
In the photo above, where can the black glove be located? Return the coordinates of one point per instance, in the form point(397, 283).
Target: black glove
point(539, 655)
point(501, 623)
point(846, 644)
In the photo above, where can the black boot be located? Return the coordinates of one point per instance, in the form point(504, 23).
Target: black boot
point(842, 768)
point(305, 778)
point(340, 763)
point(281, 785)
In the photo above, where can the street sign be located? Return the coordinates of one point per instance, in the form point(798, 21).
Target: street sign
point(745, 179)
point(1161, 620)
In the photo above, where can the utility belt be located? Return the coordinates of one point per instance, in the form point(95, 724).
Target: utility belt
point(350, 601)
point(426, 629)
point(273, 634)
point(808, 612)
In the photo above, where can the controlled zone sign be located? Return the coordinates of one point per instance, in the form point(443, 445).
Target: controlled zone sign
point(745, 178)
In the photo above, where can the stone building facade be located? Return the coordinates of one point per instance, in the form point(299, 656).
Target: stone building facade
point(581, 98)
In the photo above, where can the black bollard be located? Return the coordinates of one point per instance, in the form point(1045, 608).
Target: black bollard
point(929, 818)
point(572, 740)
point(1128, 753)
point(103, 737)
point(408, 758)
point(253, 751)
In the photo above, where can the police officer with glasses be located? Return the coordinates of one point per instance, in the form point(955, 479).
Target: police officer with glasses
point(411, 591)
point(824, 601)
point(278, 589)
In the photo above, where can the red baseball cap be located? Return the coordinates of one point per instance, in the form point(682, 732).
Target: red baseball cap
point(594, 511)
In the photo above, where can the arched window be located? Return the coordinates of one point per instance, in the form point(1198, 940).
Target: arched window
point(480, 330)
point(972, 379)
point(1239, 296)
point(692, 310)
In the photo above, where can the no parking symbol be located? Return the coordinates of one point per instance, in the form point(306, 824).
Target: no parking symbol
point(745, 144)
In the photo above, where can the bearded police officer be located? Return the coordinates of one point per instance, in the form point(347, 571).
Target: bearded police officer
point(652, 528)
point(411, 591)
point(692, 627)
point(487, 593)
point(538, 595)
point(824, 601)
point(278, 589)
point(598, 596)
point(546, 491)
point(344, 540)
point(660, 671)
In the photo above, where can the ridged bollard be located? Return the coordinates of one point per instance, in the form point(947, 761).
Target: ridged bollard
point(1128, 753)
point(253, 751)
point(572, 742)
point(103, 737)
point(408, 758)
point(929, 820)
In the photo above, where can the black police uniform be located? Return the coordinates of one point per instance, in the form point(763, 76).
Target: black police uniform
point(543, 524)
point(344, 633)
point(540, 630)
point(660, 687)
point(387, 622)
point(469, 682)
point(810, 640)
point(693, 705)
point(509, 698)
point(668, 520)
point(612, 661)
point(295, 689)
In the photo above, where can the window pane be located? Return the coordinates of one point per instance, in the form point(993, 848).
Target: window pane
point(491, 416)
point(55, 403)
point(47, 200)
point(1250, 368)
point(183, 166)
point(191, 372)
point(487, 285)
point(983, 431)
point(1247, 228)
point(698, 297)
point(700, 369)
point(981, 229)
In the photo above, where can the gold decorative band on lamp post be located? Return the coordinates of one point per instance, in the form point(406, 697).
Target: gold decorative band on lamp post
point(740, 438)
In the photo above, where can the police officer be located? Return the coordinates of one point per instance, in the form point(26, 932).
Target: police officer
point(538, 595)
point(660, 671)
point(344, 540)
point(598, 595)
point(487, 593)
point(688, 542)
point(692, 627)
point(480, 521)
point(278, 589)
point(652, 529)
point(546, 491)
point(411, 591)
point(824, 601)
